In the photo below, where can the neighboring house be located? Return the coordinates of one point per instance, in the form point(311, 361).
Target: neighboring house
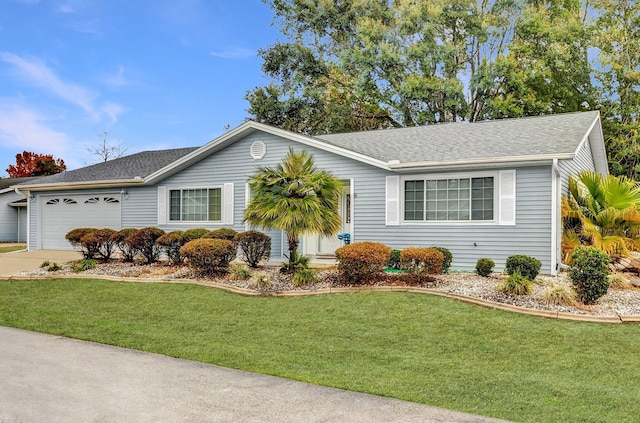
point(13, 211)
point(487, 189)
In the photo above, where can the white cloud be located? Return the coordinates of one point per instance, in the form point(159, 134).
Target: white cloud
point(234, 53)
point(118, 79)
point(34, 72)
point(112, 110)
point(27, 130)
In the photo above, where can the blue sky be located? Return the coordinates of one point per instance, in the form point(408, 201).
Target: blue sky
point(155, 74)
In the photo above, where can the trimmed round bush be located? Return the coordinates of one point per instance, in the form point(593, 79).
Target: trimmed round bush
point(101, 241)
point(516, 284)
point(589, 273)
point(394, 260)
point(484, 266)
point(120, 239)
point(222, 233)
point(75, 236)
point(447, 258)
point(209, 256)
point(254, 247)
point(529, 267)
point(171, 242)
point(420, 262)
point(362, 262)
point(144, 243)
point(194, 233)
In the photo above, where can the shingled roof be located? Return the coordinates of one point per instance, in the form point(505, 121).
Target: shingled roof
point(552, 135)
point(5, 183)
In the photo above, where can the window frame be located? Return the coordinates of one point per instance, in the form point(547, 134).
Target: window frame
point(187, 188)
point(445, 176)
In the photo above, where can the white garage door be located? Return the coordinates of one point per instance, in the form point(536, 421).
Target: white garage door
point(62, 213)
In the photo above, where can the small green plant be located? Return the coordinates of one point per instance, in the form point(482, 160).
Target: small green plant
point(484, 266)
point(304, 276)
point(298, 262)
point(529, 267)
point(54, 267)
point(618, 281)
point(45, 263)
point(394, 260)
point(447, 258)
point(516, 284)
point(85, 264)
point(240, 272)
point(589, 273)
point(261, 280)
point(559, 294)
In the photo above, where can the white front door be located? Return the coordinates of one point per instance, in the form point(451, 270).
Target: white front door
point(328, 245)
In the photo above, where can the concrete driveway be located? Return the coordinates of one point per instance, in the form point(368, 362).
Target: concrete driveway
point(55, 379)
point(20, 261)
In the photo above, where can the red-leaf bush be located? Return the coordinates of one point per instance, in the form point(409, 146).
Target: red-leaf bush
point(254, 246)
point(209, 256)
point(120, 240)
point(419, 262)
point(75, 236)
point(100, 239)
point(143, 242)
point(171, 242)
point(222, 233)
point(362, 262)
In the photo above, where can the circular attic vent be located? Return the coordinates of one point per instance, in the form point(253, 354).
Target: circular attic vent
point(258, 150)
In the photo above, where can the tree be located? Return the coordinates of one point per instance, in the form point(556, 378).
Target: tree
point(295, 197)
point(603, 212)
point(106, 151)
point(33, 164)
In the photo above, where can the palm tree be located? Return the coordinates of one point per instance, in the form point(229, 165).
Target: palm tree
point(295, 197)
point(601, 211)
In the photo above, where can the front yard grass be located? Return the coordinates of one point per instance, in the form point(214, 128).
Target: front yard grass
point(419, 348)
point(10, 248)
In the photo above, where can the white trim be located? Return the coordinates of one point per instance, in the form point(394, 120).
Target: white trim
point(227, 204)
point(493, 161)
point(392, 200)
point(556, 223)
point(507, 197)
point(111, 183)
point(247, 200)
point(352, 211)
point(440, 176)
point(181, 188)
point(163, 205)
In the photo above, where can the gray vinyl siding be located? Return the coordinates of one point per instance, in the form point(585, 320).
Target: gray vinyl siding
point(582, 161)
point(9, 218)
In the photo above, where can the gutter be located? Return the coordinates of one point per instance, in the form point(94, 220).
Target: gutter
point(113, 183)
point(491, 161)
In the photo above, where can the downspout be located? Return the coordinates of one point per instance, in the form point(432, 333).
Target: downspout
point(17, 191)
point(557, 227)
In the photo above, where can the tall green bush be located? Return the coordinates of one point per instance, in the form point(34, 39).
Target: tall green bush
point(529, 267)
point(589, 273)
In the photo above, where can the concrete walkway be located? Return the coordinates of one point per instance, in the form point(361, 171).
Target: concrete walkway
point(20, 261)
point(55, 379)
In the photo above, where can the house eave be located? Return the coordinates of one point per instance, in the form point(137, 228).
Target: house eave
point(113, 183)
point(514, 161)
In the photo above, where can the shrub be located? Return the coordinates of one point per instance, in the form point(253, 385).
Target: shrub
point(120, 239)
point(304, 276)
point(447, 258)
point(171, 242)
point(85, 264)
point(484, 266)
point(45, 263)
point(209, 256)
point(254, 246)
point(529, 267)
point(516, 284)
point(194, 233)
point(240, 272)
point(291, 266)
point(420, 262)
point(261, 280)
point(618, 281)
point(222, 233)
point(100, 242)
point(589, 273)
point(362, 261)
point(143, 242)
point(394, 260)
point(75, 236)
point(559, 294)
point(54, 267)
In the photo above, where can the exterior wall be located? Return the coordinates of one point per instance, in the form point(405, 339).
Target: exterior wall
point(9, 218)
point(582, 161)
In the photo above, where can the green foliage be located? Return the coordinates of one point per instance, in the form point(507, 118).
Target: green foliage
point(54, 267)
point(120, 240)
point(254, 247)
point(194, 233)
point(529, 267)
point(420, 262)
point(240, 272)
point(294, 263)
point(209, 256)
point(484, 266)
point(589, 273)
point(85, 264)
point(516, 284)
point(618, 281)
point(261, 280)
point(304, 276)
point(295, 197)
point(362, 262)
point(75, 236)
point(222, 233)
point(45, 263)
point(559, 294)
point(394, 260)
point(172, 242)
point(447, 257)
point(143, 242)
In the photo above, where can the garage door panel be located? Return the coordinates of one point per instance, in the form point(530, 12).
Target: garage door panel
point(62, 213)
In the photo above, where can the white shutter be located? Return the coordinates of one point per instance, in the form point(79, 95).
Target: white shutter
point(392, 197)
point(507, 197)
point(162, 205)
point(227, 204)
point(247, 200)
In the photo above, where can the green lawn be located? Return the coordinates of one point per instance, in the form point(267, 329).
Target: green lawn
point(8, 249)
point(415, 347)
